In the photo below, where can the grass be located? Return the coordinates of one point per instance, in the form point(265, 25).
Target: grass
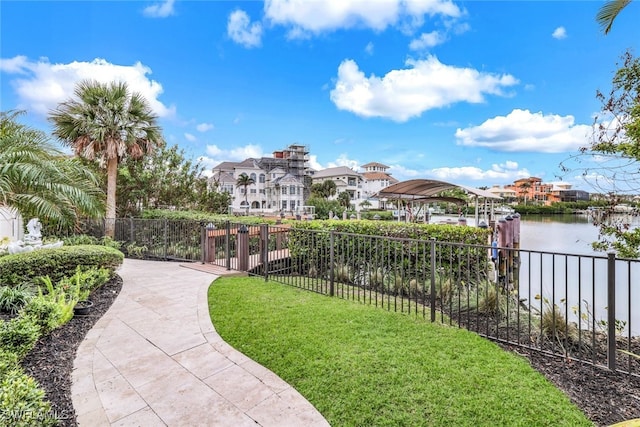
point(364, 366)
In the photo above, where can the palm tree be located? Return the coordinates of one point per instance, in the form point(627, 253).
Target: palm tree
point(524, 190)
point(107, 123)
point(40, 181)
point(608, 13)
point(245, 181)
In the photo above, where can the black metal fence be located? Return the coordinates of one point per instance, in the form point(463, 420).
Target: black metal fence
point(575, 306)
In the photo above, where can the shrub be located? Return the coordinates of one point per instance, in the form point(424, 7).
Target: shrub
point(45, 313)
point(8, 360)
point(12, 299)
point(81, 239)
point(22, 402)
point(82, 283)
point(19, 335)
point(56, 263)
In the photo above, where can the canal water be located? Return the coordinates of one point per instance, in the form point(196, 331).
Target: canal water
point(576, 281)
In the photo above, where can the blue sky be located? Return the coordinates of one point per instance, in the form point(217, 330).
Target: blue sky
point(476, 93)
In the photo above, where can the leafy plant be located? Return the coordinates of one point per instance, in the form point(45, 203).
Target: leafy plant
point(554, 324)
point(45, 313)
point(136, 251)
point(13, 298)
point(23, 403)
point(19, 335)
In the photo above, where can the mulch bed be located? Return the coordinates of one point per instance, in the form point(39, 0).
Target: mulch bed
point(50, 362)
point(605, 397)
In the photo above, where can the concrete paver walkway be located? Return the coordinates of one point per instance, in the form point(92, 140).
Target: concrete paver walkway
point(155, 359)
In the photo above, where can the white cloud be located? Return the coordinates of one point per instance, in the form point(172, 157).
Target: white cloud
point(559, 33)
point(499, 173)
point(522, 130)
point(242, 31)
point(369, 48)
point(305, 16)
point(190, 137)
point(344, 160)
point(160, 10)
point(427, 41)
point(216, 155)
point(406, 93)
point(41, 85)
point(203, 127)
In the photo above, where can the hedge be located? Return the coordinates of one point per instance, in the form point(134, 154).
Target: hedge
point(56, 263)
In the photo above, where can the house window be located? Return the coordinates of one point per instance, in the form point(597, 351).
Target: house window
point(253, 177)
point(292, 189)
point(262, 191)
point(284, 190)
point(293, 205)
point(253, 191)
point(262, 178)
point(284, 205)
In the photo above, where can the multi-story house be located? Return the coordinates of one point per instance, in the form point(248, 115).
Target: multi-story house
point(280, 183)
point(376, 178)
point(533, 190)
point(346, 180)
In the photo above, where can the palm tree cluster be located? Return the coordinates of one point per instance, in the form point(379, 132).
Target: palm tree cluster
point(38, 180)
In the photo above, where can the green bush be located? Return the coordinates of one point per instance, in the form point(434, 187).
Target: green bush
point(82, 283)
point(22, 402)
point(19, 335)
point(44, 312)
point(81, 239)
point(56, 263)
point(8, 360)
point(13, 298)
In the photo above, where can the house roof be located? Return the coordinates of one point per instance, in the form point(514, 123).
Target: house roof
point(371, 164)
point(418, 189)
point(225, 166)
point(337, 171)
point(378, 176)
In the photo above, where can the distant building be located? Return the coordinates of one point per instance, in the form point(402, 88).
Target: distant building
point(376, 178)
point(533, 190)
point(281, 183)
point(346, 180)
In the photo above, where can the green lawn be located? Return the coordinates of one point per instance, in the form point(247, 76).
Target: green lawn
point(364, 366)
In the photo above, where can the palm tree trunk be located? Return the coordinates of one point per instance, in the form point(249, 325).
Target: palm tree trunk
point(110, 217)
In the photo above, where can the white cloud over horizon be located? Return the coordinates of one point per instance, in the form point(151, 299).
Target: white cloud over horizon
point(524, 131)
point(242, 31)
point(41, 85)
point(502, 173)
point(315, 17)
point(406, 93)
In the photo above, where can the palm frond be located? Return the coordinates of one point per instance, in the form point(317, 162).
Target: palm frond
point(608, 13)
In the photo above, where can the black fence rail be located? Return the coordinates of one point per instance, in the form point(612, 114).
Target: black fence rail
point(576, 306)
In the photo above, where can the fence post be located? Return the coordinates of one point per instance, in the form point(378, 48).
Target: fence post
point(132, 231)
point(165, 239)
point(264, 245)
point(203, 242)
point(611, 311)
point(227, 243)
point(331, 262)
point(242, 248)
point(432, 298)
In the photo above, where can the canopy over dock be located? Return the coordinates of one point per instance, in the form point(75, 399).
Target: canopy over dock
point(427, 190)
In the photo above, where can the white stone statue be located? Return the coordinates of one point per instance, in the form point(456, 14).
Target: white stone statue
point(34, 229)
